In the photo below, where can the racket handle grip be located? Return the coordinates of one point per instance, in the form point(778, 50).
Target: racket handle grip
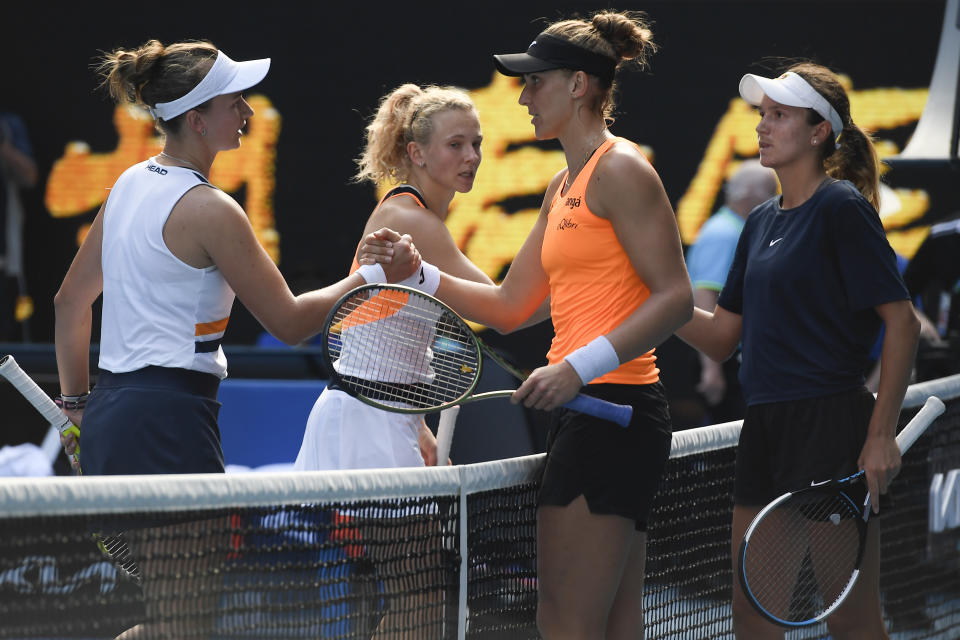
point(621, 414)
point(448, 422)
point(929, 412)
point(10, 370)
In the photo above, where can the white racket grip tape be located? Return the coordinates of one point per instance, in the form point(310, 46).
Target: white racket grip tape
point(448, 422)
point(36, 396)
point(929, 412)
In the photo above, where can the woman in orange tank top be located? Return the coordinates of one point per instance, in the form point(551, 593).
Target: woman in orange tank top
point(606, 250)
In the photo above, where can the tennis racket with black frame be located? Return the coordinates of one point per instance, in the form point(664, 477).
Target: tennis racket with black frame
point(800, 557)
point(402, 350)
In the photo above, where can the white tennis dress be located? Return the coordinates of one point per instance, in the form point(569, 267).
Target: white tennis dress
point(344, 433)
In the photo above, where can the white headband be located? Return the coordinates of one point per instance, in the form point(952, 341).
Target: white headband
point(792, 90)
point(225, 76)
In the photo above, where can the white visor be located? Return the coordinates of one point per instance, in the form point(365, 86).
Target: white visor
point(792, 90)
point(225, 76)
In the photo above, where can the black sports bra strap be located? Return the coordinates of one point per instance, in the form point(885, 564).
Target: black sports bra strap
point(408, 189)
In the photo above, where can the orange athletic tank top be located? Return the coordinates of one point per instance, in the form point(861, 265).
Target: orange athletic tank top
point(396, 192)
point(593, 285)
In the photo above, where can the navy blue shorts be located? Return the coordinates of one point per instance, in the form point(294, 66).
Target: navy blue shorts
point(784, 446)
point(152, 420)
point(616, 469)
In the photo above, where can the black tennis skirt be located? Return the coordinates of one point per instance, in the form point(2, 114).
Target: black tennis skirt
point(152, 420)
point(616, 469)
point(784, 446)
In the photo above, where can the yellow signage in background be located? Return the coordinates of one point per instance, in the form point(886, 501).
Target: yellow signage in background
point(480, 225)
point(80, 180)
point(512, 168)
point(735, 139)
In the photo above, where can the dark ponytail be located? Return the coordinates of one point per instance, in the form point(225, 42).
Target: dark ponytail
point(856, 158)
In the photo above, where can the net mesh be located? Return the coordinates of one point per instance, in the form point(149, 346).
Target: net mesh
point(422, 553)
point(303, 571)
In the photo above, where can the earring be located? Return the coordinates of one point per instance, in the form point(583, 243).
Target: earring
point(814, 142)
point(203, 132)
point(421, 164)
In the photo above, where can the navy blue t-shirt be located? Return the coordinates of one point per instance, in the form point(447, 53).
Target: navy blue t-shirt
point(805, 282)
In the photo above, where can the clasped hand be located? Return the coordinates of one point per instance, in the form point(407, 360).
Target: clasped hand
point(394, 252)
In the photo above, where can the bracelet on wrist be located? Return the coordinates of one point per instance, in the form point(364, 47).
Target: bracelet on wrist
point(72, 403)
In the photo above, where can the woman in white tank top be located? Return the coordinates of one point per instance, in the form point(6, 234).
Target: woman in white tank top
point(168, 252)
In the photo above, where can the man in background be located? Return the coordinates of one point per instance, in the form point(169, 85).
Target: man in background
point(708, 261)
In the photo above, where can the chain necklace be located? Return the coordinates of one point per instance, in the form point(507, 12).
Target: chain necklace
point(593, 149)
point(181, 161)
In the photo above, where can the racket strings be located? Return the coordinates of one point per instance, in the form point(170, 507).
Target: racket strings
point(394, 347)
point(802, 556)
point(116, 548)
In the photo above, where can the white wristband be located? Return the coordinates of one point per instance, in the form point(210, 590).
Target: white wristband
point(372, 273)
point(426, 278)
point(594, 359)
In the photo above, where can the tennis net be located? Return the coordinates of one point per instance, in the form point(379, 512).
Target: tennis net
point(417, 553)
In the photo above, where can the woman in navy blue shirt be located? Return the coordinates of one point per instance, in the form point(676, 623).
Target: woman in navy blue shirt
point(812, 279)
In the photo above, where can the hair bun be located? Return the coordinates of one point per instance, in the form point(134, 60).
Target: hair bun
point(628, 32)
point(154, 72)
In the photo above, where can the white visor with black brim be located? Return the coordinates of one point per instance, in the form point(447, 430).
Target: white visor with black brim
point(225, 76)
point(792, 90)
point(550, 52)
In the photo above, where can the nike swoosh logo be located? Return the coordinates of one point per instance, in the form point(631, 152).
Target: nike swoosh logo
point(422, 278)
point(773, 242)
